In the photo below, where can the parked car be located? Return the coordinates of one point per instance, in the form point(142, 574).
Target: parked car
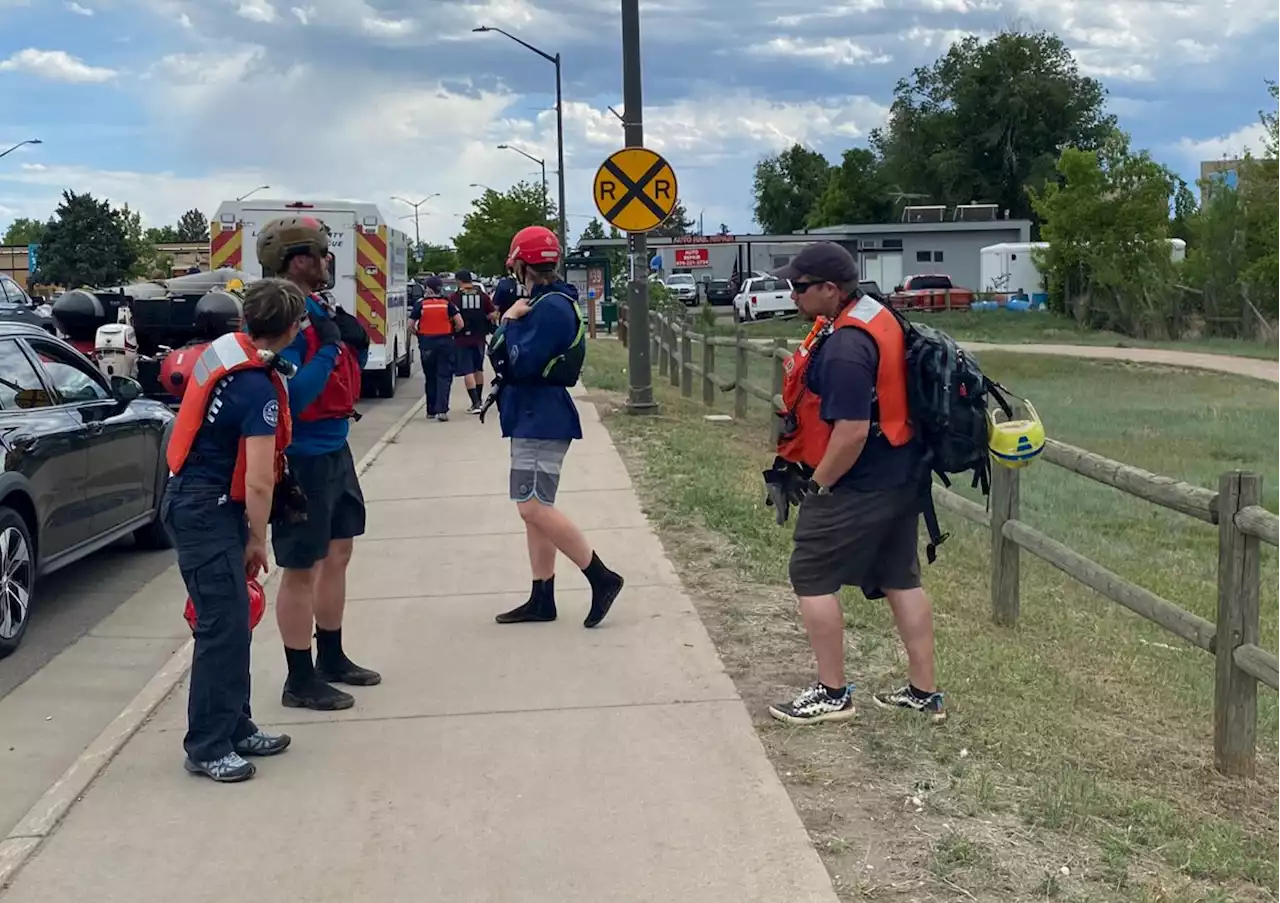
point(83, 465)
point(683, 286)
point(720, 291)
point(17, 305)
point(762, 298)
point(930, 292)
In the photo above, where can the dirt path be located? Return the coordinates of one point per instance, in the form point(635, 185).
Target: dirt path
point(1222, 363)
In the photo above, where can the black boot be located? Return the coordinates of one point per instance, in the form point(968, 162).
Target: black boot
point(332, 664)
point(304, 690)
point(605, 586)
point(540, 607)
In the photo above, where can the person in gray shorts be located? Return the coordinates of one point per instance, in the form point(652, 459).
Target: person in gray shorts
point(542, 349)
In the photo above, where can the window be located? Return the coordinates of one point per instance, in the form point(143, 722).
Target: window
point(937, 257)
point(72, 379)
point(923, 256)
point(11, 292)
point(892, 244)
point(20, 386)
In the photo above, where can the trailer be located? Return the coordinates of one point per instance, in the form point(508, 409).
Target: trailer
point(368, 271)
point(1009, 267)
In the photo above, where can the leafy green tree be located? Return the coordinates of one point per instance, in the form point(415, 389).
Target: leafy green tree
point(439, 258)
point(193, 226)
point(857, 192)
point(161, 235)
point(24, 231)
point(786, 188)
point(147, 261)
point(724, 229)
point(86, 243)
point(495, 217)
point(989, 119)
point(678, 222)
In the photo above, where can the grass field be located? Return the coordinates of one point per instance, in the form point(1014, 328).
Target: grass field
point(1003, 327)
point(1077, 762)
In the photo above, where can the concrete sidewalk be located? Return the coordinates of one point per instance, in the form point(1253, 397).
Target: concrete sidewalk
point(520, 764)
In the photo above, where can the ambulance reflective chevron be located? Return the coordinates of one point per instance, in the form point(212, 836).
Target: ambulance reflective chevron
point(368, 271)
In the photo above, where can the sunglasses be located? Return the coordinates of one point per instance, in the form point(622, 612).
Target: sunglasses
point(801, 287)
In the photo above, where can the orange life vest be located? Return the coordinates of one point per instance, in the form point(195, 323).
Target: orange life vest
point(435, 319)
point(223, 356)
point(805, 436)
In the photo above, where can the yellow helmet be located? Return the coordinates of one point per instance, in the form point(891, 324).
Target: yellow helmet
point(235, 285)
point(1015, 443)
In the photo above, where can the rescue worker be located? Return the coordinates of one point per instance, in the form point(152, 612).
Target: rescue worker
point(505, 293)
point(329, 353)
point(226, 456)
point(848, 430)
point(537, 354)
point(436, 319)
point(478, 315)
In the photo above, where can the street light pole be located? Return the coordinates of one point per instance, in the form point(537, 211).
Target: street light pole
point(255, 191)
point(417, 232)
point(640, 394)
point(543, 163)
point(38, 141)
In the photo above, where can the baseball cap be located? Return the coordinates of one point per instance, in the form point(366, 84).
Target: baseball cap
point(462, 275)
point(435, 283)
point(824, 260)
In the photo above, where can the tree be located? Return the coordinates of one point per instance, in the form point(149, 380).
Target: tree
point(86, 243)
point(24, 231)
point(678, 222)
point(162, 235)
point(617, 257)
point(494, 218)
point(787, 186)
point(724, 229)
point(147, 261)
point(439, 258)
point(856, 192)
point(990, 119)
point(193, 226)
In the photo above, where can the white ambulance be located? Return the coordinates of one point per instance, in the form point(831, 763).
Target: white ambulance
point(368, 271)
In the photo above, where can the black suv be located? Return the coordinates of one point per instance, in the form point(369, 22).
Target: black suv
point(83, 465)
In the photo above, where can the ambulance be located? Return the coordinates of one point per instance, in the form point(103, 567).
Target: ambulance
point(368, 272)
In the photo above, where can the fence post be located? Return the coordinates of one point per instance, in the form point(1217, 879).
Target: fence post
point(677, 333)
point(622, 325)
point(655, 338)
point(686, 360)
point(1005, 601)
point(740, 375)
point(775, 422)
point(708, 369)
point(661, 333)
point(1235, 698)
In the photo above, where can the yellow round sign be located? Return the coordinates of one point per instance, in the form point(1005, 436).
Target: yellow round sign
point(635, 189)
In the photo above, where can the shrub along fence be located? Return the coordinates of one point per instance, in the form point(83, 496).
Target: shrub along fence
point(1243, 524)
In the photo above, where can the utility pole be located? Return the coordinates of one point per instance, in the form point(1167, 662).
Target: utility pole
point(417, 232)
point(640, 395)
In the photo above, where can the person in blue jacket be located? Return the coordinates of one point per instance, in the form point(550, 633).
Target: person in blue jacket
point(537, 354)
point(330, 352)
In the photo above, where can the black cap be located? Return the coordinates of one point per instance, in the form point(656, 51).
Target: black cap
point(462, 275)
point(823, 260)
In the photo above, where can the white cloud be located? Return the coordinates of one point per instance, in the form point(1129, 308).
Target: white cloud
point(1224, 147)
point(57, 65)
point(78, 9)
point(388, 28)
point(303, 15)
point(257, 11)
point(828, 51)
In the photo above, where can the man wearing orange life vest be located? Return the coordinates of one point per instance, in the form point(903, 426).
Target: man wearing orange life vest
point(436, 319)
point(847, 427)
point(227, 455)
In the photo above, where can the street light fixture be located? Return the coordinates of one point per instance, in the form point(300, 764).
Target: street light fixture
point(555, 61)
point(484, 186)
point(255, 191)
point(541, 162)
point(417, 233)
point(20, 144)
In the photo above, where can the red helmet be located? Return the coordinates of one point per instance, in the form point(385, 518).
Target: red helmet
point(534, 245)
point(175, 369)
point(257, 606)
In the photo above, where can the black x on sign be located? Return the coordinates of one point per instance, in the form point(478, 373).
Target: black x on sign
point(635, 189)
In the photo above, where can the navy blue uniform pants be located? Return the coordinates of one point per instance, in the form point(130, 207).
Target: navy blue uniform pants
point(209, 533)
point(437, 354)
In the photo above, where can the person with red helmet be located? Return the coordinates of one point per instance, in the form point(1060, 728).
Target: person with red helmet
point(537, 354)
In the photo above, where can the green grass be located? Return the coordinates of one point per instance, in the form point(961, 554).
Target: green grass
point(1004, 327)
point(1086, 728)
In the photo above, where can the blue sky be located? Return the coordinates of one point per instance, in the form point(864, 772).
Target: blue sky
point(170, 104)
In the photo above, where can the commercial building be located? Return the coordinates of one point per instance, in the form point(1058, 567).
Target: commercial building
point(926, 242)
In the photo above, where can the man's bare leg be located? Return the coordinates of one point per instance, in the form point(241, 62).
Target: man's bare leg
point(295, 604)
point(824, 622)
point(913, 615)
point(332, 663)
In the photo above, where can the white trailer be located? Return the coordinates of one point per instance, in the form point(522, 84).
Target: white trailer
point(368, 271)
point(1009, 266)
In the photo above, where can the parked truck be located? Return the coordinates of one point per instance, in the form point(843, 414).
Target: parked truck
point(930, 293)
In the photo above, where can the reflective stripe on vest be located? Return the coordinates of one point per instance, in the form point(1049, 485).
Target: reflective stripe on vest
point(435, 319)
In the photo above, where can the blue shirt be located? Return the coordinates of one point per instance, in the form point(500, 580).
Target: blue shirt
point(843, 374)
point(548, 329)
point(314, 437)
point(505, 294)
point(243, 404)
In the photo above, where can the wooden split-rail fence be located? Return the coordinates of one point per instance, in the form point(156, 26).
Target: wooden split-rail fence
point(1234, 508)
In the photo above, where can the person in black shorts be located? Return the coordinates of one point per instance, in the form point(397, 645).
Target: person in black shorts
point(478, 315)
point(313, 555)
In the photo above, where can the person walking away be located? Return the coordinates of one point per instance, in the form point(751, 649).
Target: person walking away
point(847, 428)
point(329, 353)
point(478, 315)
point(537, 354)
point(505, 294)
point(226, 456)
point(437, 319)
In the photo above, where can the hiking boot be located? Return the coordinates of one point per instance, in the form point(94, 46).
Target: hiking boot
point(905, 698)
point(261, 743)
point(230, 769)
point(815, 705)
point(443, 418)
point(346, 672)
point(315, 694)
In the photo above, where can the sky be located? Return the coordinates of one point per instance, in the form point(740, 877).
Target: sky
point(172, 104)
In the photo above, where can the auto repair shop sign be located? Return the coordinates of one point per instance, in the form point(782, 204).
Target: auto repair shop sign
point(692, 257)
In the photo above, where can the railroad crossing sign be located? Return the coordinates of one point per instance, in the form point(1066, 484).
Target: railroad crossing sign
point(635, 189)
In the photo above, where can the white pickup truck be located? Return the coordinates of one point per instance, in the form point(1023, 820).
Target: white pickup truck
point(763, 297)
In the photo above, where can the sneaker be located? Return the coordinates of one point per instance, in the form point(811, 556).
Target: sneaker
point(443, 418)
point(903, 698)
point(261, 743)
point(347, 672)
point(814, 705)
point(315, 694)
point(230, 769)
point(474, 409)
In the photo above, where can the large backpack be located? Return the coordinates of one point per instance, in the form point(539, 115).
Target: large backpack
point(947, 396)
